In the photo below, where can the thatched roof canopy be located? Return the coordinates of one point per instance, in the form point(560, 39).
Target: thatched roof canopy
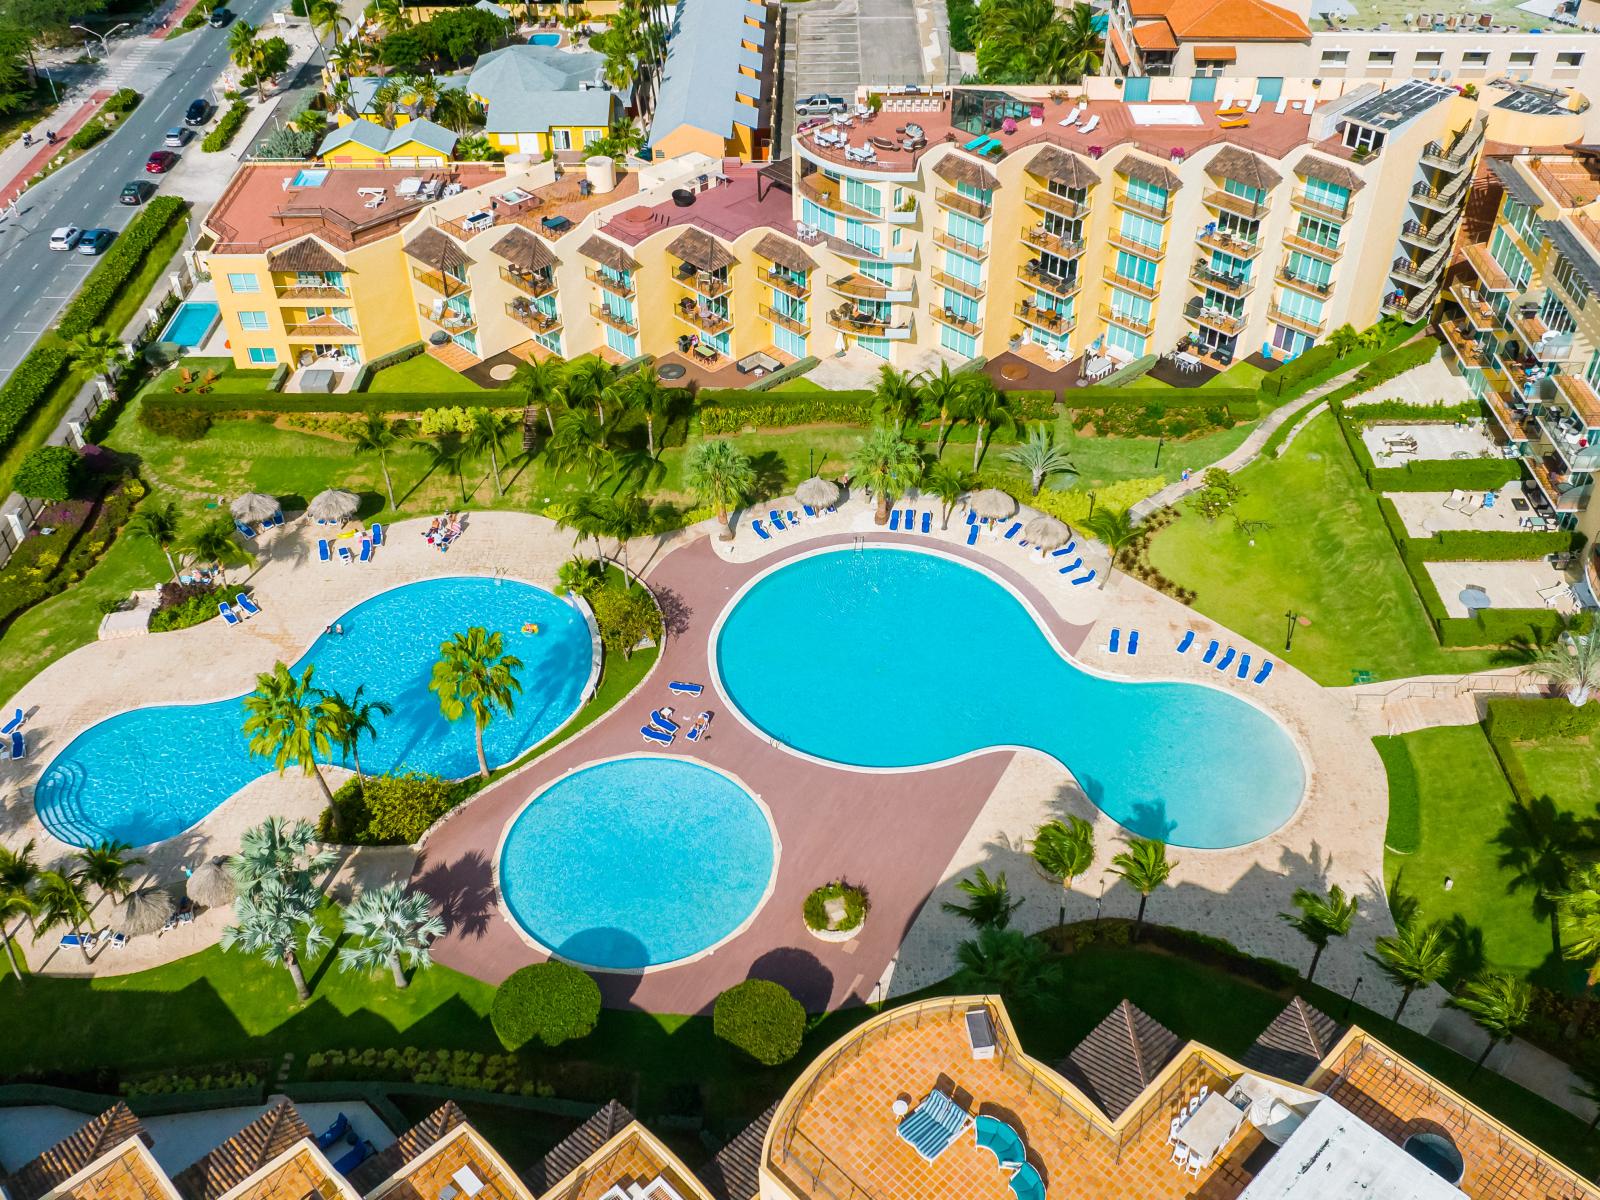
point(524, 251)
point(701, 251)
point(608, 254)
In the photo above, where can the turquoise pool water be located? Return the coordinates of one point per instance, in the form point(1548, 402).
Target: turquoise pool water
point(892, 658)
point(151, 773)
point(545, 39)
point(191, 323)
point(636, 862)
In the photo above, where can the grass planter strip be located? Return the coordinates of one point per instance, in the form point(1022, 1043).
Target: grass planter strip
point(1404, 834)
point(227, 128)
point(119, 264)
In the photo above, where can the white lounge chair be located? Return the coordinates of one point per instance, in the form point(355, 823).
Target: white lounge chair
point(1455, 500)
point(1072, 117)
point(1555, 594)
point(1281, 106)
point(1227, 102)
point(1310, 100)
point(1092, 124)
point(1472, 504)
point(1255, 103)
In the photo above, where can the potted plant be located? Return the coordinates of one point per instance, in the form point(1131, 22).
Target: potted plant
point(836, 912)
point(1036, 115)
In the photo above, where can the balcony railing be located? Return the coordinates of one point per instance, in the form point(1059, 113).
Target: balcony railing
point(446, 318)
point(1219, 239)
point(1052, 320)
point(1140, 248)
point(1315, 328)
point(436, 281)
point(705, 283)
point(851, 320)
point(1228, 202)
point(1420, 274)
point(1311, 287)
point(969, 205)
point(311, 291)
point(1316, 249)
point(1578, 393)
point(963, 286)
point(1543, 343)
point(1160, 211)
point(1465, 344)
point(1057, 285)
point(786, 284)
point(824, 191)
point(1061, 247)
point(1233, 285)
point(325, 329)
point(1128, 284)
point(610, 283)
point(1050, 202)
point(1479, 315)
point(947, 316)
point(707, 320)
point(1319, 207)
point(779, 317)
point(1433, 237)
point(1441, 199)
point(943, 237)
point(533, 317)
point(1126, 320)
point(1212, 317)
point(860, 287)
point(1511, 421)
point(606, 315)
point(535, 285)
point(1490, 273)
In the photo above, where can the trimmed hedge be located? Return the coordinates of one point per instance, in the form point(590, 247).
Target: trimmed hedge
point(729, 410)
point(89, 133)
point(246, 404)
point(34, 379)
point(1404, 834)
point(1320, 364)
point(1444, 474)
point(1241, 402)
point(119, 264)
point(1520, 718)
point(227, 128)
point(762, 1019)
point(793, 371)
point(549, 1003)
point(371, 367)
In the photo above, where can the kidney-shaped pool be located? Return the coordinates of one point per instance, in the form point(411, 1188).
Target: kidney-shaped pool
point(890, 658)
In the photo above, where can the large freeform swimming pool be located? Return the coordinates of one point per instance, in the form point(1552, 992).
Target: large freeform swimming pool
point(893, 658)
point(637, 862)
point(151, 773)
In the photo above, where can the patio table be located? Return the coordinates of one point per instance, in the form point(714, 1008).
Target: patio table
point(1212, 1125)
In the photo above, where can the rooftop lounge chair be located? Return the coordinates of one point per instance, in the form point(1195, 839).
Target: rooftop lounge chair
point(1111, 644)
point(1016, 526)
point(1211, 652)
point(1086, 578)
point(1244, 666)
point(794, 518)
point(1002, 1141)
point(323, 553)
point(1255, 103)
point(1455, 500)
point(19, 745)
point(12, 725)
point(1133, 641)
point(662, 720)
point(334, 1132)
point(1261, 675)
point(894, 520)
point(1188, 640)
point(678, 688)
point(972, 533)
point(1226, 659)
point(377, 534)
point(652, 734)
point(228, 615)
point(1026, 1184)
point(76, 940)
point(980, 1032)
point(911, 518)
point(933, 1125)
point(1091, 124)
point(354, 1157)
point(276, 519)
point(761, 531)
point(250, 607)
point(247, 532)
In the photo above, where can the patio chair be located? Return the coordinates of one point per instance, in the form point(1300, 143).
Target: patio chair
point(1456, 499)
point(1195, 1165)
point(1471, 505)
point(1554, 594)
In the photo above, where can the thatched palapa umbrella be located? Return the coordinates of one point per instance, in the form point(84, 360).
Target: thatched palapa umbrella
point(252, 508)
point(1047, 533)
point(211, 886)
point(818, 492)
point(333, 505)
point(144, 911)
point(992, 504)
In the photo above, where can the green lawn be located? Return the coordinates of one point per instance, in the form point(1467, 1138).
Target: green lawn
point(1321, 550)
point(1567, 771)
point(1242, 374)
point(424, 373)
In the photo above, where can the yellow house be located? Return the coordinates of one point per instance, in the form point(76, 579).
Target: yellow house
point(716, 86)
point(541, 99)
point(419, 143)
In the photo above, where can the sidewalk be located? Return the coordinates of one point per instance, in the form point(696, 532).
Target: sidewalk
point(42, 151)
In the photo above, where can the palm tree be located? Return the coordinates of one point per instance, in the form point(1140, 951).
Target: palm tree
point(580, 576)
point(248, 53)
point(488, 436)
point(349, 719)
point(721, 475)
point(279, 848)
point(896, 397)
point(1572, 665)
point(99, 352)
point(646, 396)
point(456, 109)
point(213, 542)
point(1343, 340)
point(588, 381)
point(543, 387)
point(106, 867)
point(347, 58)
point(1064, 849)
point(945, 393)
point(284, 721)
point(273, 921)
point(1007, 961)
point(1578, 911)
point(1540, 845)
point(580, 442)
point(392, 13)
point(625, 518)
point(158, 523)
point(986, 408)
point(19, 871)
point(1079, 42)
point(389, 926)
point(1144, 867)
point(948, 482)
point(376, 434)
point(989, 904)
point(1500, 1004)
point(888, 464)
point(1114, 529)
point(61, 899)
point(1041, 458)
point(1415, 956)
point(327, 19)
point(14, 904)
point(1321, 918)
point(474, 673)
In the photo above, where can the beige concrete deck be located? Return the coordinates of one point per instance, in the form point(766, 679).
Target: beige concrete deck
point(1442, 440)
point(1509, 584)
point(1423, 513)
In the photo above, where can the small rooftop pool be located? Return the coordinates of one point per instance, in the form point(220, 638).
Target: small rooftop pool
point(192, 323)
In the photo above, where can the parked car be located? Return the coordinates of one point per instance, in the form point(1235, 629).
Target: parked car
point(65, 238)
point(219, 17)
point(175, 138)
point(197, 113)
point(160, 162)
point(94, 241)
point(820, 104)
point(136, 192)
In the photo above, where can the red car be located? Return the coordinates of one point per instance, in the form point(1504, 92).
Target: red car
point(160, 162)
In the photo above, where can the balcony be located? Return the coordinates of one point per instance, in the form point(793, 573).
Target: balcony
point(1429, 237)
point(940, 280)
point(1465, 344)
point(1212, 317)
point(1514, 423)
point(1564, 495)
point(848, 319)
point(1290, 280)
point(1148, 208)
point(704, 283)
point(325, 328)
point(968, 205)
point(1040, 239)
point(703, 318)
point(1314, 328)
point(946, 316)
point(1581, 397)
point(1050, 202)
point(1318, 207)
point(1479, 314)
point(311, 291)
point(607, 316)
point(1228, 202)
point(610, 283)
point(536, 284)
point(1126, 320)
point(1294, 241)
point(1395, 304)
point(1490, 273)
point(1057, 285)
point(825, 192)
point(859, 287)
point(446, 318)
point(1128, 284)
point(435, 281)
point(1219, 239)
point(1543, 343)
point(778, 317)
point(533, 317)
point(1051, 320)
point(949, 241)
point(1139, 248)
point(1441, 199)
point(1233, 285)
point(1418, 274)
point(787, 284)
point(1458, 154)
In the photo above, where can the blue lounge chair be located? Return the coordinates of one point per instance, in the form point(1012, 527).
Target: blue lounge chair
point(761, 531)
point(894, 520)
point(663, 722)
point(972, 517)
point(927, 522)
point(1266, 669)
point(251, 608)
point(678, 688)
point(334, 1132)
point(323, 553)
point(366, 549)
point(1002, 1141)
point(227, 612)
point(776, 518)
point(19, 745)
point(1026, 1184)
point(934, 1125)
point(794, 519)
point(346, 557)
point(1244, 666)
point(1188, 640)
point(811, 513)
point(1225, 660)
point(354, 1157)
point(76, 940)
point(277, 519)
point(1016, 527)
point(247, 532)
point(1133, 641)
point(1065, 550)
point(1086, 578)
point(14, 724)
point(698, 729)
point(1116, 637)
point(1211, 652)
point(976, 142)
point(911, 518)
point(377, 535)
point(1072, 566)
point(652, 734)
point(972, 534)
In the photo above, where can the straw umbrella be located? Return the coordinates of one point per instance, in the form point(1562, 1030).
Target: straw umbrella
point(819, 493)
point(144, 911)
point(992, 504)
point(211, 886)
point(252, 508)
point(1047, 533)
point(333, 505)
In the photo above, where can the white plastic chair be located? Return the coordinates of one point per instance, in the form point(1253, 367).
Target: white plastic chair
point(1204, 1092)
point(1195, 1165)
point(1180, 1153)
point(1172, 1134)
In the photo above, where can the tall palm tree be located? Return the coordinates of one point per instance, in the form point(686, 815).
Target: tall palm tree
point(1540, 846)
point(1144, 867)
point(1319, 919)
point(543, 388)
point(944, 393)
point(487, 437)
point(989, 904)
point(392, 13)
point(14, 904)
point(456, 109)
point(213, 542)
point(1041, 458)
point(1079, 44)
point(1499, 1004)
point(1578, 911)
point(474, 674)
point(106, 867)
point(1064, 849)
point(1572, 665)
point(580, 442)
point(279, 848)
point(274, 921)
point(377, 434)
point(1114, 529)
point(588, 380)
point(391, 929)
point(721, 475)
point(948, 482)
point(888, 464)
point(1009, 962)
point(100, 352)
point(649, 399)
point(19, 871)
point(349, 719)
point(158, 523)
point(347, 58)
point(1416, 955)
point(62, 899)
point(986, 408)
point(327, 20)
point(284, 721)
point(896, 398)
point(625, 518)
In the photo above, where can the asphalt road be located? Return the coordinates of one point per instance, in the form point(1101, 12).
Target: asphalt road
point(34, 280)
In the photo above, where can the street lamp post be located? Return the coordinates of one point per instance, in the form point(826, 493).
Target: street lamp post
point(1288, 639)
point(1160, 442)
point(104, 38)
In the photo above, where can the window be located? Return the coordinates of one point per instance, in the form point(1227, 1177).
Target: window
point(1380, 58)
point(1126, 304)
point(1335, 58)
point(243, 284)
point(1309, 269)
point(864, 196)
point(263, 356)
point(861, 235)
point(591, 136)
point(1300, 306)
point(1429, 58)
point(1511, 260)
point(1141, 229)
point(1125, 339)
point(1148, 194)
point(1475, 58)
point(1569, 58)
point(1244, 191)
point(252, 321)
point(959, 266)
point(1139, 270)
point(561, 139)
point(1323, 233)
point(1328, 195)
point(964, 229)
point(1521, 217)
point(880, 272)
point(1523, 58)
point(960, 343)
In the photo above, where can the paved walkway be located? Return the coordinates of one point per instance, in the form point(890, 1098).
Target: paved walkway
point(43, 150)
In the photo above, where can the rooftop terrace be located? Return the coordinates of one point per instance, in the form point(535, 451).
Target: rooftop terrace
point(1393, 14)
point(128, 1176)
point(727, 210)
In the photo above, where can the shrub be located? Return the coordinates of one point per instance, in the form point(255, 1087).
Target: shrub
point(88, 134)
point(855, 907)
point(49, 473)
point(549, 1003)
point(225, 130)
point(762, 1019)
point(183, 605)
point(1319, 364)
point(1073, 506)
point(393, 810)
point(119, 264)
point(626, 616)
point(372, 366)
point(1516, 719)
point(32, 380)
point(187, 424)
point(124, 100)
point(963, 18)
point(80, 530)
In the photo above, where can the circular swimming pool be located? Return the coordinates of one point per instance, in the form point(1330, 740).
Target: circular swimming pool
point(890, 658)
point(637, 862)
point(151, 773)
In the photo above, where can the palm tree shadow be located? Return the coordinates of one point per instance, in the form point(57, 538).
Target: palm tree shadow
point(327, 962)
point(421, 479)
point(771, 474)
point(1540, 843)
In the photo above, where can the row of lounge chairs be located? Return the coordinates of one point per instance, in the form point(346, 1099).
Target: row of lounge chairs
point(1132, 644)
point(248, 531)
point(1073, 568)
point(1241, 671)
point(17, 744)
point(370, 541)
point(662, 728)
point(246, 607)
point(782, 522)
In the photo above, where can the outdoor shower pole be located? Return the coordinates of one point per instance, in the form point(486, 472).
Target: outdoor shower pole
point(1160, 442)
point(1288, 640)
